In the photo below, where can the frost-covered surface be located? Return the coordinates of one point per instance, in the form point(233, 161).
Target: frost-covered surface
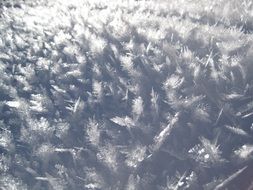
point(126, 95)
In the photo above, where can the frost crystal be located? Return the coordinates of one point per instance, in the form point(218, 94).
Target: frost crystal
point(137, 107)
point(119, 95)
point(206, 153)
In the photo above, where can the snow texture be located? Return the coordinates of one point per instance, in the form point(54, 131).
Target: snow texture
point(126, 94)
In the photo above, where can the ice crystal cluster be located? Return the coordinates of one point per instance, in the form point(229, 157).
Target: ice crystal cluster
point(126, 95)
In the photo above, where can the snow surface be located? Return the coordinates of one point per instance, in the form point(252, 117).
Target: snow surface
point(126, 94)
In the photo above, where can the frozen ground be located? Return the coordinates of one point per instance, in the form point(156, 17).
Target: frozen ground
point(126, 95)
